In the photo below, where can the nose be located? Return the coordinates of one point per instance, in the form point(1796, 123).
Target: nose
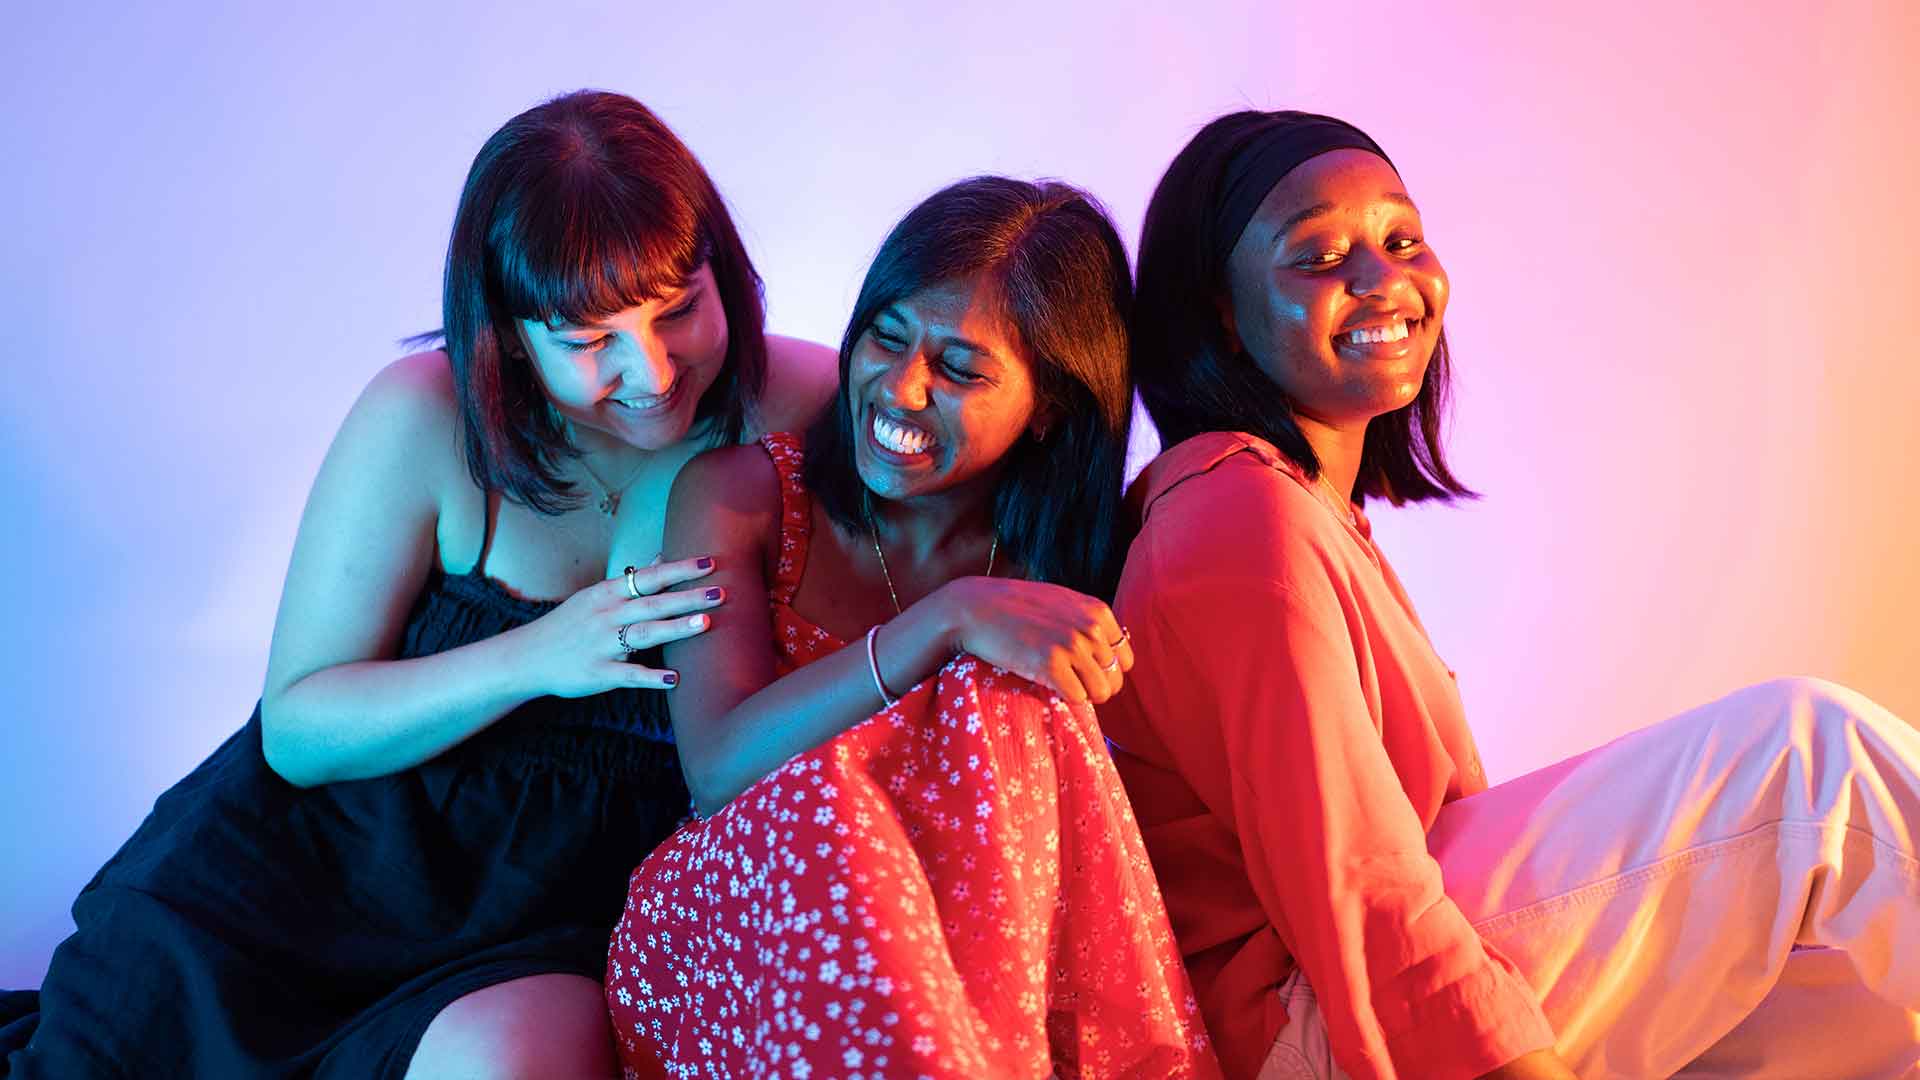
point(903, 385)
point(646, 366)
point(1374, 273)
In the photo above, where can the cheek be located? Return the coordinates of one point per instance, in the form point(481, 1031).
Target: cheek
point(564, 377)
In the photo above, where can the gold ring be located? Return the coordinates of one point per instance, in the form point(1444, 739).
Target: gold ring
point(633, 591)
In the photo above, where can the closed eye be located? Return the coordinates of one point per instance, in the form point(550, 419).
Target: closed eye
point(962, 374)
point(590, 345)
point(681, 312)
point(886, 341)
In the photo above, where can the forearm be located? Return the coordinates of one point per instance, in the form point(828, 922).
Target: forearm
point(796, 713)
point(374, 717)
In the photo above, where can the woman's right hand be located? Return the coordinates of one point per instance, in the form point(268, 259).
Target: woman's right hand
point(1064, 640)
point(577, 649)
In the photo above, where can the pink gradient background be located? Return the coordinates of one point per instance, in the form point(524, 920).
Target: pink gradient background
point(1680, 241)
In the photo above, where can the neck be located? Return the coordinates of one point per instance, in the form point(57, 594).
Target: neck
point(929, 528)
point(1338, 446)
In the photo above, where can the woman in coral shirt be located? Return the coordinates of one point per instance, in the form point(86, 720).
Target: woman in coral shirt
point(1350, 897)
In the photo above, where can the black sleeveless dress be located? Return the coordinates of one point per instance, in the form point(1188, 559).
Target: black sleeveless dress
point(254, 929)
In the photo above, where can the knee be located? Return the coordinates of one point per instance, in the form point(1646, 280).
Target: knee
point(1803, 710)
point(531, 1028)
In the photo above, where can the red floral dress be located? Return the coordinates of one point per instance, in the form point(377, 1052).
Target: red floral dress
point(953, 888)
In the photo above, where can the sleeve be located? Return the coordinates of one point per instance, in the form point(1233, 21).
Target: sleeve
point(1334, 849)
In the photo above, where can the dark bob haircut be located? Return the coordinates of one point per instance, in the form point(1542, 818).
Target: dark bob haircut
point(1058, 270)
point(576, 209)
point(1192, 378)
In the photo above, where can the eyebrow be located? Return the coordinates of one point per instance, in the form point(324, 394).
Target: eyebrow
point(1318, 209)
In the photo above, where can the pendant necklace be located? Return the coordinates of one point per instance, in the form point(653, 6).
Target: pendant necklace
point(873, 531)
point(609, 503)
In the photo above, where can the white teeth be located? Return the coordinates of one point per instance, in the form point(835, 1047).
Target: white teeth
point(1396, 331)
point(900, 438)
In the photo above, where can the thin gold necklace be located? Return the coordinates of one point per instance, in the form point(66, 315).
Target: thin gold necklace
point(609, 503)
point(1346, 504)
point(873, 532)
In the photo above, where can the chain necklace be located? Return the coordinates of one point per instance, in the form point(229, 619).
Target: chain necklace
point(1345, 504)
point(609, 503)
point(873, 532)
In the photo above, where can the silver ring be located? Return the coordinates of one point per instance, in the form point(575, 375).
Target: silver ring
point(633, 589)
point(1111, 665)
point(622, 635)
point(1125, 636)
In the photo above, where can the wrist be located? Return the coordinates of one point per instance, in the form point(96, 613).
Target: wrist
point(947, 619)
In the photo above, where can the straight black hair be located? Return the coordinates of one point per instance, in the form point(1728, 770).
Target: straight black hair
point(1058, 270)
point(1193, 379)
point(574, 210)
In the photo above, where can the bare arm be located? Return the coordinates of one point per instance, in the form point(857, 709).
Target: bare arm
point(336, 705)
point(735, 723)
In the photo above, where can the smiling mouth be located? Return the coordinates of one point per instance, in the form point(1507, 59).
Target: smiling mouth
point(903, 439)
point(1391, 333)
point(658, 403)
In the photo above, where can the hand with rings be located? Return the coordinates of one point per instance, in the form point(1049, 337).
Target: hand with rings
point(1062, 639)
point(582, 646)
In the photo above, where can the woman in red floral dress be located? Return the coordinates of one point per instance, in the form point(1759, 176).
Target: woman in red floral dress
point(952, 885)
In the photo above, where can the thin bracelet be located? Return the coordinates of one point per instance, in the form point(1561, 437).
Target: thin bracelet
point(873, 665)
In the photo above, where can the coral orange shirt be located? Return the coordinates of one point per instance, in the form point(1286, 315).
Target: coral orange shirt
point(1287, 736)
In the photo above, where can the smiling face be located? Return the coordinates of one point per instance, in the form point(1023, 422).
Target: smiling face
point(635, 376)
point(939, 390)
point(1334, 292)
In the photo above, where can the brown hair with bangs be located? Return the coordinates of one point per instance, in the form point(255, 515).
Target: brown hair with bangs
point(574, 210)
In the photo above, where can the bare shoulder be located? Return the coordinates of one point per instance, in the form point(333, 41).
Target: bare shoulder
point(733, 481)
point(409, 416)
point(418, 387)
point(802, 377)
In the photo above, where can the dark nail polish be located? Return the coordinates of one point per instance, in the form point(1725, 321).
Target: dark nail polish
point(671, 678)
point(704, 562)
point(713, 594)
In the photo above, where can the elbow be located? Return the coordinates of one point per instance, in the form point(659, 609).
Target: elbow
point(707, 787)
point(282, 750)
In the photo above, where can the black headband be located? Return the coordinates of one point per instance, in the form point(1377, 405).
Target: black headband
point(1272, 154)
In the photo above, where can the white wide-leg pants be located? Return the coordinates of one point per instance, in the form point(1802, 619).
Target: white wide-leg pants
point(1734, 892)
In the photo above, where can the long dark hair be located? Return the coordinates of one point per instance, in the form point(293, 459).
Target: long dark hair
point(1053, 258)
point(575, 209)
point(1193, 378)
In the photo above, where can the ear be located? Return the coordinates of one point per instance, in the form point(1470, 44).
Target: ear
point(1223, 303)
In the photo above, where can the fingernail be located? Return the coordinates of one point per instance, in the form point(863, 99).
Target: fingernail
point(697, 621)
point(671, 678)
point(713, 593)
point(704, 562)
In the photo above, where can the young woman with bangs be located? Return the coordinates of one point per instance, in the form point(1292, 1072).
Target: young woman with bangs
point(1731, 892)
point(913, 856)
point(408, 860)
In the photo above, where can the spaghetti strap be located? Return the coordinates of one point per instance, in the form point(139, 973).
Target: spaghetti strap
point(796, 515)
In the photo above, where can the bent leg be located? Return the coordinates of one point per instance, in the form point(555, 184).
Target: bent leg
point(530, 1028)
point(1652, 889)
